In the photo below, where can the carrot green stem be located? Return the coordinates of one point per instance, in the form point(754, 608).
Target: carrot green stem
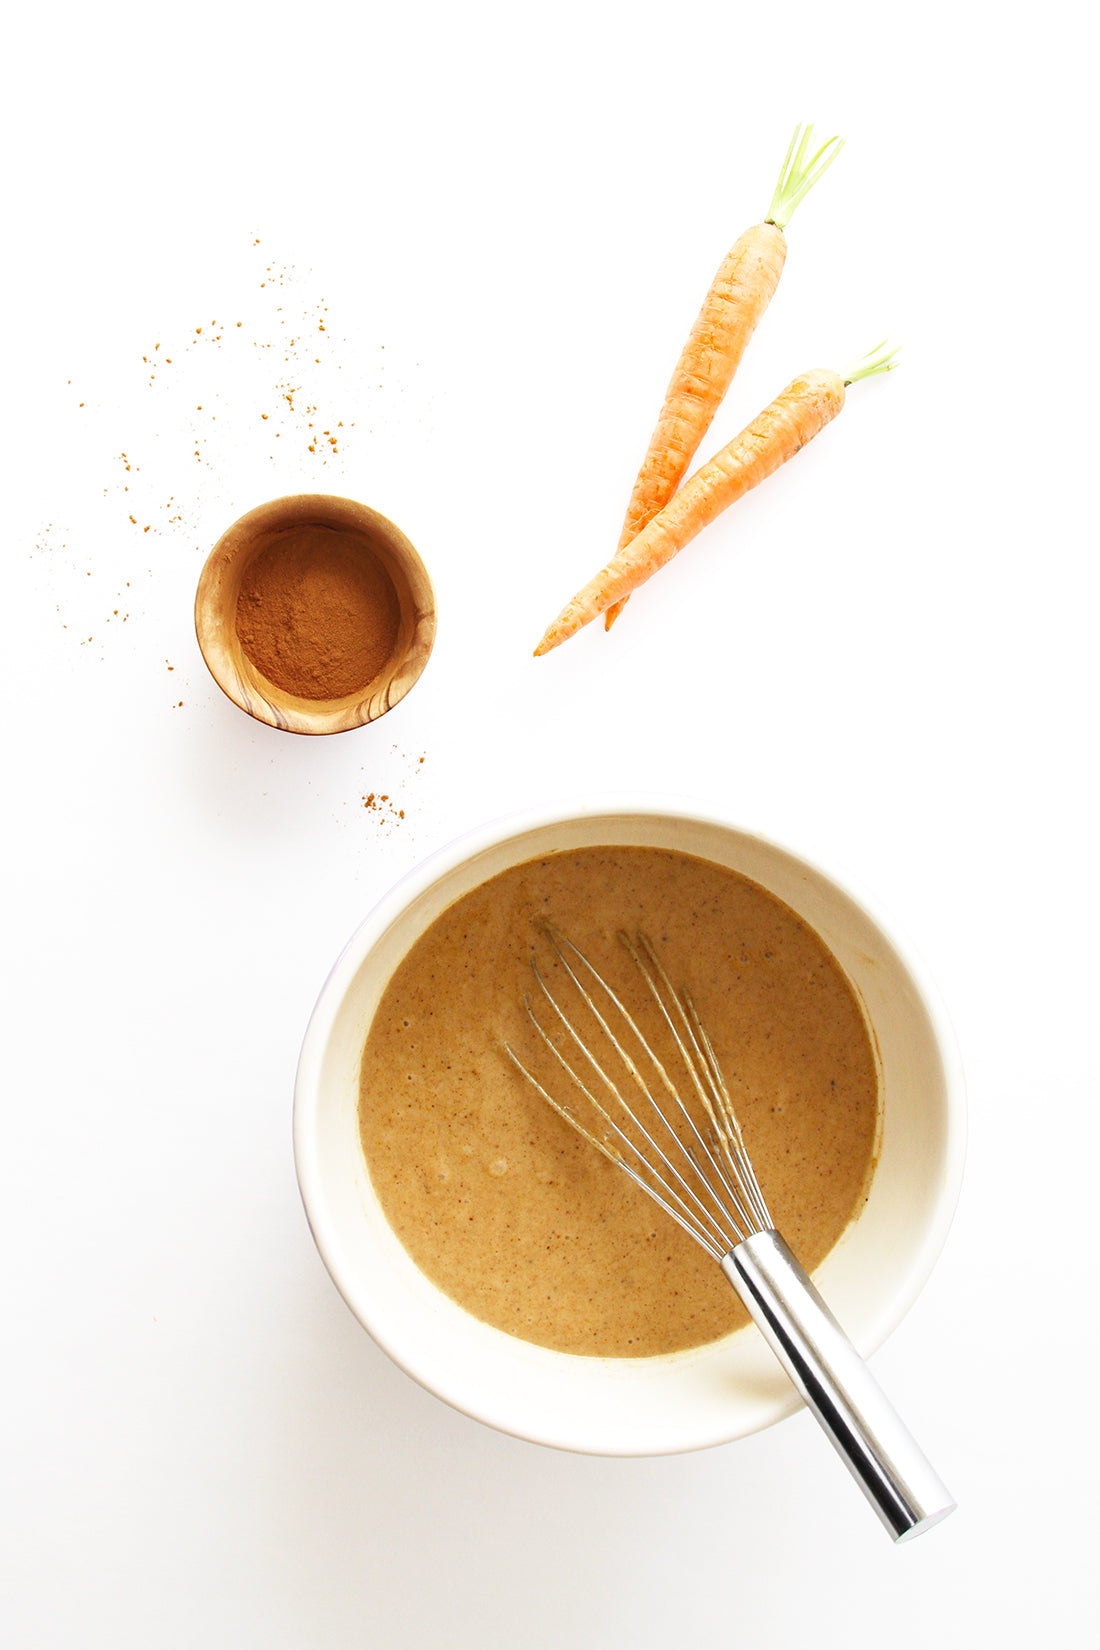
point(799, 174)
point(880, 359)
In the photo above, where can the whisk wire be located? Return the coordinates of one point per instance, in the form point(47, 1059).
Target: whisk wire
point(739, 1219)
point(716, 1202)
point(713, 1097)
point(694, 1209)
point(729, 1129)
point(681, 1215)
point(726, 1194)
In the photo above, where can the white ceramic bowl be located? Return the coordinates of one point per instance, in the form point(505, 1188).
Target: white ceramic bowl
point(646, 1406)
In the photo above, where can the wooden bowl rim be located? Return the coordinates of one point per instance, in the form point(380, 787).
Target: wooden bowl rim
point(215, 628)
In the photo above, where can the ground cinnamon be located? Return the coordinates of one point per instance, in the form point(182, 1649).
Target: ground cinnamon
point(317, 613)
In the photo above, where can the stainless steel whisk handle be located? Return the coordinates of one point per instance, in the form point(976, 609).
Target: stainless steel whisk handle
point(862, 1425)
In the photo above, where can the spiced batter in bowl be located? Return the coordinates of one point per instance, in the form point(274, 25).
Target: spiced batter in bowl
point(501, 1204)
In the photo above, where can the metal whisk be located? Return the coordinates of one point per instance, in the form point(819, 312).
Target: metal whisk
point(688, 1155)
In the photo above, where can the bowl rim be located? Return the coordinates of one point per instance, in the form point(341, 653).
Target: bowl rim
point(495, 832)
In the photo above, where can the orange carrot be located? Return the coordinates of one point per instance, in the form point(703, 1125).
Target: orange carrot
point(793, 418)
point(738, 296)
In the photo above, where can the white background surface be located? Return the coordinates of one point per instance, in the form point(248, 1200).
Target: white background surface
point(506, 220)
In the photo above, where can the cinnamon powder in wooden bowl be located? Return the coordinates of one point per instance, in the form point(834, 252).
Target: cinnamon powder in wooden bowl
point(315, 614)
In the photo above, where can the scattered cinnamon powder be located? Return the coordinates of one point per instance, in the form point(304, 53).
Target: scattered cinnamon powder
point(317, 613)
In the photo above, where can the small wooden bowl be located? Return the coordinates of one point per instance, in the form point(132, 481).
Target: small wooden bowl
point(216, 609)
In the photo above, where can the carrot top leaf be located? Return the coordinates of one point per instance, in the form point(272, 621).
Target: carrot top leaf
point(882, 358)
point(799, 175)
